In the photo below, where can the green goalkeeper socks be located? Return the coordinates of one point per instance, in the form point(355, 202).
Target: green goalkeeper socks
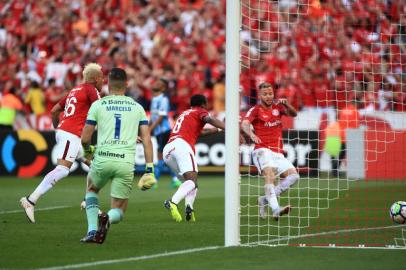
point(92, 210)
point(115, 215)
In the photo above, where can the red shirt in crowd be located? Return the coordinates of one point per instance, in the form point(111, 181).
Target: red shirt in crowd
point(348, 117)
point(400, 101)
point(189, 125)
point(306, 95)
point(267, 123)
point(76, 105)
point(322, 93)
point(52, 94)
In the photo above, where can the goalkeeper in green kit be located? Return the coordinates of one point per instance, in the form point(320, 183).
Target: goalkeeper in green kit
point(119, 120)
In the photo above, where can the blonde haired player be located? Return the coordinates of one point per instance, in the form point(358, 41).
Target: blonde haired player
point(268, 157)
point(74, 106)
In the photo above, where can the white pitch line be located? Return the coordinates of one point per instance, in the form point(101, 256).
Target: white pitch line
point(36, 209)
point(130, 259)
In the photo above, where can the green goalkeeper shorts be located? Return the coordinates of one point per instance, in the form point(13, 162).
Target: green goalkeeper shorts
point(121, 176)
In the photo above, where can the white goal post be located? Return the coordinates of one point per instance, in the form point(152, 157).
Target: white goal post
point(232, 171)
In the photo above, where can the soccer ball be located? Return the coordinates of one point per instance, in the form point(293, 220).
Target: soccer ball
point(398, 212)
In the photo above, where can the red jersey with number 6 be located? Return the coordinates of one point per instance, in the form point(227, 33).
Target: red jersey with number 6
point(189, 125)
point(267, 125)
point(76, 104)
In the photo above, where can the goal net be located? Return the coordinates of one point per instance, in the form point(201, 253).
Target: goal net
point(342, 65)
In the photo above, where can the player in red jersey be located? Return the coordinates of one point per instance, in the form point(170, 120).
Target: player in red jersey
point(266, 133)
point(68, 131)
point(179, 153)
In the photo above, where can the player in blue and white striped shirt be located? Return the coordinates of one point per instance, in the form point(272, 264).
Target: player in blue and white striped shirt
point(159, 124)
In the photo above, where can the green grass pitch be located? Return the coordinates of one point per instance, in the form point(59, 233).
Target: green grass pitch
point(149, 239)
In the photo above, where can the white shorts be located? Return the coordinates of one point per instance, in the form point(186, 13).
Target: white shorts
point(264, 157)
point(179, 156)
point(68, 146)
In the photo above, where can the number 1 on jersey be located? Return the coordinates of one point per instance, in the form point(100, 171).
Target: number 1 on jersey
point(117, 129)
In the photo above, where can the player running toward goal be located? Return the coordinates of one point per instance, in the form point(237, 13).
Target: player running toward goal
point(268, 157)
point(75, 106)
point(179, 153)
point(118, 119)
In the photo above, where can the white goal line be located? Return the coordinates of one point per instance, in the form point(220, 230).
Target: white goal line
point(327, 233)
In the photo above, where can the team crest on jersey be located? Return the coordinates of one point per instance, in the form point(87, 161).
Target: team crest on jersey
point(275, 112)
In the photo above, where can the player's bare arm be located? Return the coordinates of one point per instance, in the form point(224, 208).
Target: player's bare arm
point(87, 135)
point(214, 122)
point(208, 131)
point(148, 179)
point(289, 108)
point(55, 112)
point(246, 128)
point(146, 142)
point(86, 139)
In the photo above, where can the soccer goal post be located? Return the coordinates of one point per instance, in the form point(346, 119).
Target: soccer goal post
point(232, 172)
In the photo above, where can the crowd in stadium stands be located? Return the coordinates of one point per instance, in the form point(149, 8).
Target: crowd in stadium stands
point(315, 53)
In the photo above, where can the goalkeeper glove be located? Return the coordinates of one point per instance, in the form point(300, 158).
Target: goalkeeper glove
point(148, 179)
point(89, 151)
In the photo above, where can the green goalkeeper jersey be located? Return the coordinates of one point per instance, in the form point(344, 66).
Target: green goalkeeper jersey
point(118, 119)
